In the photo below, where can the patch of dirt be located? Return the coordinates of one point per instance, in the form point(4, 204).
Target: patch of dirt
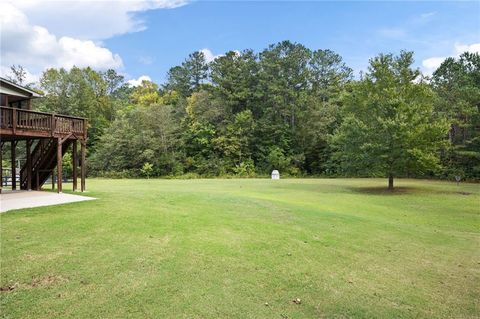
point(42, 282)
point(9, 288)
point(47, 281)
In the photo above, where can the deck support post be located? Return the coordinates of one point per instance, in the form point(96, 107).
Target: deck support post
point(29, 164)
point(14, 159)
point(83, 148)
point(14, 121)
point(59, 165)
point(53, 179)
point(75, 163)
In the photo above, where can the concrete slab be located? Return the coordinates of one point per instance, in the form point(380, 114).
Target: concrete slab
point(10, 200)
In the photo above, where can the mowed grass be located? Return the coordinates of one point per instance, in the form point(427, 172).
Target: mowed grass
point(247, 249)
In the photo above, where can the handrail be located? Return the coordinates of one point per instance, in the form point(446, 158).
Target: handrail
point(55, 125)
point(43, 113)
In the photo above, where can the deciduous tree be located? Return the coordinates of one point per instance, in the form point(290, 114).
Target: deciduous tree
point(390, 127)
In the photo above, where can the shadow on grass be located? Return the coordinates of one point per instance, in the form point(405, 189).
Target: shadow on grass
point(382, 190)
point(403, 190)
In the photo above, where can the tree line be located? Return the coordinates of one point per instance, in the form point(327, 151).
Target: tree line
point(287, 107)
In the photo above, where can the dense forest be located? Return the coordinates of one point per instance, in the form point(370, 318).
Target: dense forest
point(287, 107)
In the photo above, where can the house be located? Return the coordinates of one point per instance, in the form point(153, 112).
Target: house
point(45, 136)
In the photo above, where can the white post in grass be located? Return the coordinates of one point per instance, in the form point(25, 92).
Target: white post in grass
point(275, 174)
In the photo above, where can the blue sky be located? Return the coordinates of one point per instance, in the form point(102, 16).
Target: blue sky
point(356, 30)
point(150, 40)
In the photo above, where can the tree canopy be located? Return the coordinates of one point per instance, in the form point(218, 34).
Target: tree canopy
point(457, 84)
point(286, 107)
point(389, 125)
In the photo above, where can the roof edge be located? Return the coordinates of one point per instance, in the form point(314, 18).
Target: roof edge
point(33, 93)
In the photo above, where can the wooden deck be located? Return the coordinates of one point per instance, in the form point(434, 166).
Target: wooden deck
point(47, 138)
point(18, 123)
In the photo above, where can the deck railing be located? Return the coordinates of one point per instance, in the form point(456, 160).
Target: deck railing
point(47, 123)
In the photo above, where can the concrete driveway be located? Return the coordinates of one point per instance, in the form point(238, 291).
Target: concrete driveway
point(10, 200)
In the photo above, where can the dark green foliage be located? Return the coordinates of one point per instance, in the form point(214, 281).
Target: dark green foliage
point(287, 108)
point(235, 80)
point(188, 77)
point(457, 83)
point(390, 127)
point(141, 135)
point(85, 93)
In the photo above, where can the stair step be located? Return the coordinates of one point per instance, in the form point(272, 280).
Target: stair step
point(44, 160)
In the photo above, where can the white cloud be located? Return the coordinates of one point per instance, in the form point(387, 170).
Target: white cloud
point(209, 56)
point(137, 82)
point(473, 48)
point(97, 19)
point(43, 34)
point(36, 48)
point(432, 63)
point(29, 77)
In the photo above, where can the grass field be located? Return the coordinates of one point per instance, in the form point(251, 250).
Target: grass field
point(247, 249)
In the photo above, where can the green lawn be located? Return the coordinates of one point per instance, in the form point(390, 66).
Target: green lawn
point(247, 249)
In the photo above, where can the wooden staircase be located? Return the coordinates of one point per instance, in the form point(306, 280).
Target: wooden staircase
point(47, 137)
point(44, 160)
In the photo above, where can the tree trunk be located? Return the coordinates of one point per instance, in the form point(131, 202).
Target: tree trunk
point(390, 182)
